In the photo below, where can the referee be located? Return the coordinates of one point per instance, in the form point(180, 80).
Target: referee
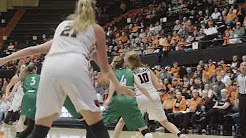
point(241, 79)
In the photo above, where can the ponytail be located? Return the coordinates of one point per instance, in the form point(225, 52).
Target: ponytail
point(28, 69)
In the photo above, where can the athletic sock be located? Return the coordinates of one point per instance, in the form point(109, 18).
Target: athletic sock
point(17, 133)
point(89, 133)
point(99, 130)
point(28, 130)
point(39, 132)
point(145, 131)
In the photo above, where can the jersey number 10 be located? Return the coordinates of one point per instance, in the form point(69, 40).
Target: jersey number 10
point(143, 78)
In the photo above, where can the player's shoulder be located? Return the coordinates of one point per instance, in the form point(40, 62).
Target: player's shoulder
point(98, 28)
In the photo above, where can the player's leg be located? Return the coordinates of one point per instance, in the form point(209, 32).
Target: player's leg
point(28, 130)
point(118, 128)
point(8, 118)
point(71, 109)
point(156, 112)
point(20, 125)
point(83, 96)
point(50, 99)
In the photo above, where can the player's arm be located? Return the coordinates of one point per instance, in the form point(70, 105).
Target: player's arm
point(155, 81)
point(12, 82)
point(110, 93)
point(94, 57)
point(102, 60)
point(141, 88)
point(42, 48)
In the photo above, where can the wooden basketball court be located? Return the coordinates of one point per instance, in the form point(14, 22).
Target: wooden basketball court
point(9, 132)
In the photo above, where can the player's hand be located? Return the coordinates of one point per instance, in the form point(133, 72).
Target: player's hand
point(120, 89)
point(183, 136)
point(3, 61)
point(107, 102)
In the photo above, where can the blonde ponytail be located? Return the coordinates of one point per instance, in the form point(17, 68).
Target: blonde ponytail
point(84, 15)
point(25, 72)
point(133, 60)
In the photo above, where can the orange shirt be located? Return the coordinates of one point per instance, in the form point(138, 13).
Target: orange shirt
point(193, 104)
point(134, 29)
point(226, 42)
point(121, 50)
point(169, 86)
point(231, 16)
point(23, 60)
point(155, 42)
point(123, 38)
point(211, 68)
point(175, 70)
point(175, 38)
point(164, 97)
point(166, 47)
point(218, 71)
point(206, 74)
point(233, 96)
point(182, 106)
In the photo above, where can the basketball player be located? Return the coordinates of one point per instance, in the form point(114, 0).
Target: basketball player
point(16, 96)
point(149, 81)
point(66, 71)
point(126, 107)
point(30, 81)
point(30, 84)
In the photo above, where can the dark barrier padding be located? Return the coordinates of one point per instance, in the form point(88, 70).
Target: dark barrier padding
point(191, 58)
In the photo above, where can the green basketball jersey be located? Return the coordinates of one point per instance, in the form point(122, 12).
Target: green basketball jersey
point(31, 83)
point(125, 77)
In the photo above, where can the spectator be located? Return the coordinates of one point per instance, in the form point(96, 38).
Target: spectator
point(215, 115)
point(219, 82)
point(3, 106)
point(226, 79)
point(244, 58)
point(192, 107)
point(205, 73)
point(199, 71)
point(164, 74)
point(177, 26)
point(205, 104)
point(208, 91)
point(211, 66)
point(231, 17)
point(235, 63)
point(211, 31)
point(179, 106)
point(239, 31)
point(216, 93)
point(216, 14)
point(169, 103)
point(175, 68)
point(189, 73)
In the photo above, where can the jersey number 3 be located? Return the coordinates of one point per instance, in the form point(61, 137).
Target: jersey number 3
point(33, 81)
point(143, 78)
point(67, 32)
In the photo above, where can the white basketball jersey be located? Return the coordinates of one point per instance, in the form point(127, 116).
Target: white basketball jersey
point(66, 40)
point(144, 76)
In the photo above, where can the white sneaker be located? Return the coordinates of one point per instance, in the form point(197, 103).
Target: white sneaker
point(148, 135)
